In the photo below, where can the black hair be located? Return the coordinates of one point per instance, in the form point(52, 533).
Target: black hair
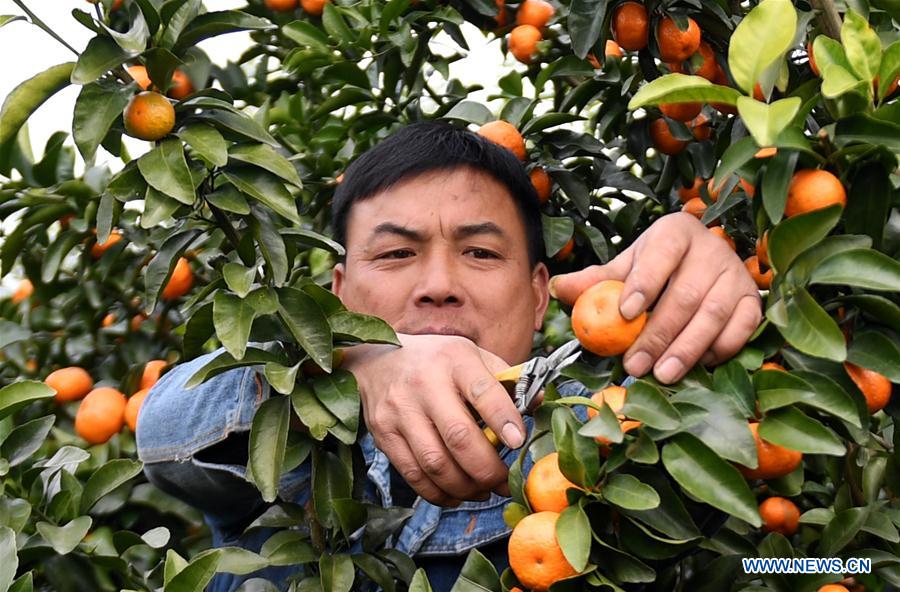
point(434, 146)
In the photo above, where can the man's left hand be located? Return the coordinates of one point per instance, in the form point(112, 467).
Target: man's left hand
point(706, 303)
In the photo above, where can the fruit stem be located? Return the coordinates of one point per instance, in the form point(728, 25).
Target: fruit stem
point(828, 18)
point(40, 24)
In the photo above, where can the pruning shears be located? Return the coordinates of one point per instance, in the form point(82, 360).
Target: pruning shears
point(524, 381)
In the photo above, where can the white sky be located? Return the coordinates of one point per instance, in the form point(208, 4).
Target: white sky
point(27, 50)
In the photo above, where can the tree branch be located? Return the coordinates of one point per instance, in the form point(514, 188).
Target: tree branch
point(828, 18)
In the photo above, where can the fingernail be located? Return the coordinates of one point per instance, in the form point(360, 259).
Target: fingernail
point(639, 364)
point(552, 287)
point(669, 370)
point(512, 436)
point(632, 306)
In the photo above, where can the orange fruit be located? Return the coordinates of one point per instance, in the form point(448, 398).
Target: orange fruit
point(133, 407)
point(181, 87)
point(101, 415)
point(108, 320)
point(139, 73)
point(762, 249)
point(281, 5)
point(612, 50)
point(780, 514)
point(70, 384)
point(695, 207)
point(181, 282)
point(599, 325)
point(812, 59)
point(630, 26)
point(31, 366)
point(758, 93)
point(152, 371)
point(833, 588)
point(681, 111)
point(720, 232)
point(686, 194)
point(700, 127)
point(614, 396)
point(534, 552)
point(564, 252)
point(310, 368)
point(523, 42)
point(774, 460)
point(546, 485)
point(662, 138)
point(505, 134)
point(708, 66)
point(149, 116)
point(763, 280)
point(772, 366)
point(501, 17)
point(874, 386)
point(714, 191)
point(749, 189)
point(766, 152)
point(137, 320)
point(536, 13)
point(676, 45)
point(542, 183)
point(24, 290)
point(99, 248)
point(314, 7)
point(890, 89)
point(813, 189)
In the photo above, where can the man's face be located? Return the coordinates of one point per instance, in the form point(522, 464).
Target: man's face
point(445, 252)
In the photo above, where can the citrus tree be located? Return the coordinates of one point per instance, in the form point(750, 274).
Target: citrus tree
point(775, 123)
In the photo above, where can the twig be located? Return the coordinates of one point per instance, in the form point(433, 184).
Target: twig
point(40, 24)
point(828, 18)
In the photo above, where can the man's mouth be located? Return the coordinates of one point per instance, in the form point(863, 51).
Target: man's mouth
point(444, 330)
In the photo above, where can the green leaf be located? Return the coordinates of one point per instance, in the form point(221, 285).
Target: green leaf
point(722, 427)
point(25, 440)
point(238, 123)
point(477, 574)
point(185, 12)
point(311, 412)
point(233, 318)
point(64, 539)
point(777, 179)
point(337, 572)
point(828, 51)
point(841, 530)
point(238, 278)
point(548, 120)
point(207, 142)
point(308, 325)
point(160, 268)
point(876, 351)
point(12, 333)
point(862, 268)
point(735, 156)
point(166, 170)
point(98, 105)
point(627, 491)
point(585, 24)
point(557, 232)
point(470, 112)
point(766, 121)
point(9, 559)
point(10, 18)
point(288, 547)
point(314, 239)
point(603, 425)
point(803, 265)
point(265, 157)
point(212, 24)
point(862, 127)
point(760, 40)
point(266, 188)
point(56, 253)
point(156, 538)
point(573, 532)
point(578, 459)
point(282, 378)
point(229, 199)
point(862, 46)
point(236, 560)
point(225, 361)
point(681, 88)
point(268, 440)
point(710, 479)
point(354, 325)
point(196, 575)
point(791, 428)
point(889, 68)
point(837, 81)
point(158, 207)
point(18, 394)
point(339, 394)
point(810, 329)
point(780, 389)
point(28, 96)
point(101, 55)
point(272, 247)
point(869, 201)
point(731, 378)
point(107, 478)
point(307, 34)
point(646, 403)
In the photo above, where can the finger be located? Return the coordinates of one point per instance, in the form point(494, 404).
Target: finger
point(740, 327)
point(567, 287)
point(699, 333)
point(663, 250)
point(394, 446)
point(681, 300)
point(437, 462)
point(478, 386)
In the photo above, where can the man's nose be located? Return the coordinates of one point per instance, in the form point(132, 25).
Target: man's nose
point(439, 283)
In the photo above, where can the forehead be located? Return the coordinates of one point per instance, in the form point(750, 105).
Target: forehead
point(439, 198)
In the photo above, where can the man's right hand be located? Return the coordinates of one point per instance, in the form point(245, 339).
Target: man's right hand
point(414, 404)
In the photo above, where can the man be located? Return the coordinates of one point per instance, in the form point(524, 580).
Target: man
point(443, 238)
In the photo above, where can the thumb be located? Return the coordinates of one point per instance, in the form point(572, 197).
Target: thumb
point(567, 287)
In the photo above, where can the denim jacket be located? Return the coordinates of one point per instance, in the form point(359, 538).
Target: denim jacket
point(176, 427)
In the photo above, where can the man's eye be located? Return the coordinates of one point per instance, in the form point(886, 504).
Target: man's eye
point(398, 254)
point(483, 254)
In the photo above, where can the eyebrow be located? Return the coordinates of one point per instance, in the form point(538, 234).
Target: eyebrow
point(461, 232)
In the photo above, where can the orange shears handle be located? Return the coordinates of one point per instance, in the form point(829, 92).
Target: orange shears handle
point(508, 378)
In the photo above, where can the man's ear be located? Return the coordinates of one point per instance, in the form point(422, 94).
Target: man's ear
point(540, 287)
point(337, 279)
